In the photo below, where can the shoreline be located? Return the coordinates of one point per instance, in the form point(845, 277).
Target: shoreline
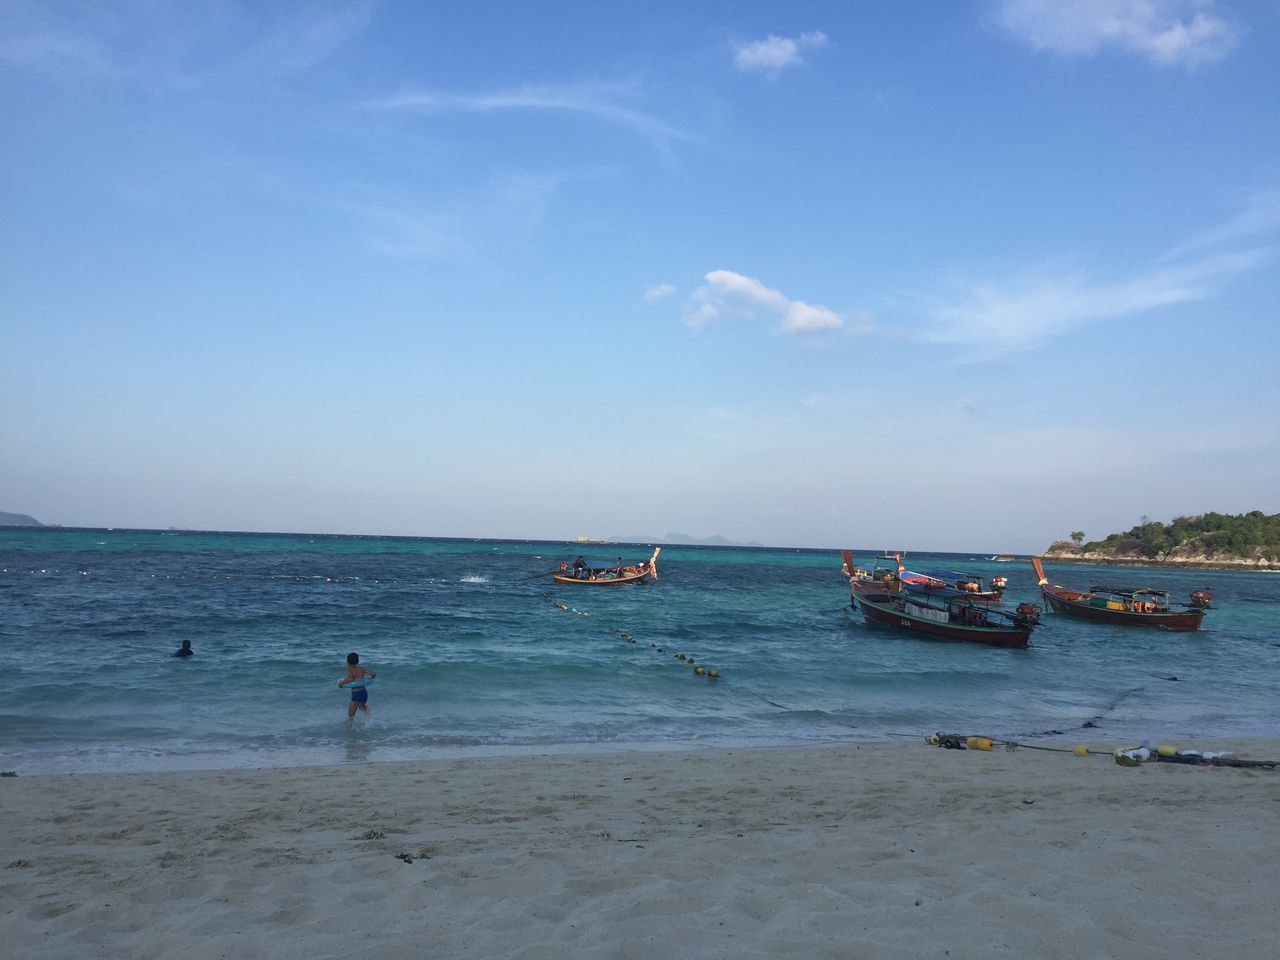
point(372, 753)
point(868, 850)
point(1243, 566)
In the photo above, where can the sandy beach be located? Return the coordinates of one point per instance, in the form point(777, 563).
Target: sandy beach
point(899, 850)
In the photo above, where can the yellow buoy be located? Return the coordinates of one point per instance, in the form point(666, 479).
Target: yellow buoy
point(699, 671)
point(1166, 751)
point(933, 738)
point(679, 656)
point(1080, 750)
point(713, 674)
point(978, 743)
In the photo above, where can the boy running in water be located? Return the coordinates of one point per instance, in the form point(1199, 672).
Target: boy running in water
point(359, 695)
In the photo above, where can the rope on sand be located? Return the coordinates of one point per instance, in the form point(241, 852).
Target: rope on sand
point(1123, 756)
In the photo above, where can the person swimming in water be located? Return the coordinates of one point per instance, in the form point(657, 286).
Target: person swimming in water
point(359, 695)
point(185, 650)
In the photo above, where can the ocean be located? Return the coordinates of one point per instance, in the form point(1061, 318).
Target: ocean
point(475, 658)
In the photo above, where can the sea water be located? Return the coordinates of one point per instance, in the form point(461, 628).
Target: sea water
point(476, 654)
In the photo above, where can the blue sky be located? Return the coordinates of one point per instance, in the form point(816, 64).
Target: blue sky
point(937, 275)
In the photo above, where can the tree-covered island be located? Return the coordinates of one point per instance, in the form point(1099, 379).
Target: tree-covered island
point(1247, 540)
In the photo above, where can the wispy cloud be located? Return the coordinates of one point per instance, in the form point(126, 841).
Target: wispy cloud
point(1045, 302)
point(405, 236)
point(1050, 299)
point(173, 44)
point(659, 291)
point(469, 225)
point(295, 39)
point(1260, 217)
point(42, 39)
point(774, 54)
point(729, 294)
point(1165, 32)
point(600, 101)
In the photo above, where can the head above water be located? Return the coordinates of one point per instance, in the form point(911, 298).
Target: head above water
point(353, 658)
point(186, 644)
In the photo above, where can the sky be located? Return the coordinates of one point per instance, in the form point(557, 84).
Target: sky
point(939, 275)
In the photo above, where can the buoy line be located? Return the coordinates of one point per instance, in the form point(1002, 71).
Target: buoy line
point(699, 670)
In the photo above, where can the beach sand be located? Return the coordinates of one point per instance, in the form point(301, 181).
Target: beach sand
point(880, 851)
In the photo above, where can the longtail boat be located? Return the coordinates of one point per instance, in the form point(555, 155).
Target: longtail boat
point(877, 579)
point(956, 618)
point(584, 576)
point(1123, 606)
point(946, 584)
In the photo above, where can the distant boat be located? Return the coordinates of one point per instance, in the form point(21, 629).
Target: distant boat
point(1002, 558)
point(1123, 606)
point(585, 576)
point(957, 618)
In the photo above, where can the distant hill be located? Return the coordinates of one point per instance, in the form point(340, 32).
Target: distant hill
point(684, 539)
point(18, 520)
point(1250, 540)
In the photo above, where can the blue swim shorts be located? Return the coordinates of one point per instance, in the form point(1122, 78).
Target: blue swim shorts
point(360, 695)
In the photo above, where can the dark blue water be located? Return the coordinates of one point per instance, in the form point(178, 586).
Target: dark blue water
point(472, 659)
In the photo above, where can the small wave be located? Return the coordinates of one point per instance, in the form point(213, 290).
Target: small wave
point(474, 578)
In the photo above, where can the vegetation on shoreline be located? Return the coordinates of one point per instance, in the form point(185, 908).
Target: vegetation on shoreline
point(1250, 537)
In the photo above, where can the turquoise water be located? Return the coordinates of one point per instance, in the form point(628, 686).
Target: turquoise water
point(470, 659)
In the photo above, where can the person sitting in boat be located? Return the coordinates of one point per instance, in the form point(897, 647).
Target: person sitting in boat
point(579, 569)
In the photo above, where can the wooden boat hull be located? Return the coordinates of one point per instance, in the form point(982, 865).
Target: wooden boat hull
point(640, 577)
point(1177, 620)
point(882, 609)
point(862, 581)
point(1075, 603)
point(857, 586)
point(604, 576)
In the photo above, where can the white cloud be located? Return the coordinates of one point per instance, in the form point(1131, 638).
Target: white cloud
point(805, 318)
point(659, 291)
point(727, 293)
point(1166, 32)
point(599, 101)
point(774, 54)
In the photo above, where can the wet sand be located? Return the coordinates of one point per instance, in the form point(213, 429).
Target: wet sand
point(885, 851)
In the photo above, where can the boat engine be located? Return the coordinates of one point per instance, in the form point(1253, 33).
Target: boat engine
point(1202, 599)
point(1027, 614)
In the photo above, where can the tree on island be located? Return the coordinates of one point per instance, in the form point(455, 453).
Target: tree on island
point(1077, 537)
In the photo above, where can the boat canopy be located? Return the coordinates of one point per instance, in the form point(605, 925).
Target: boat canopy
point(1130, 591)
point(952, 575)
